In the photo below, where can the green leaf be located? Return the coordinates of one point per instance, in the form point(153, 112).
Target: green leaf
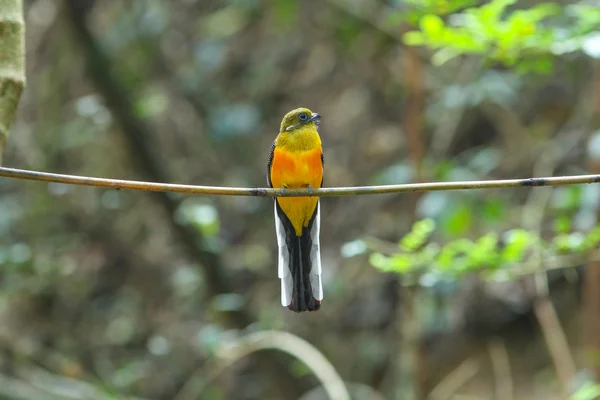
point(453, 257)
point(517, 241)
point(418, 235)
point(572, 242)
point(398, 263)
point(484, 251)
point(428, 254)
point(413, 38)
point(431, 25)
point(491, 12)
point(515, 39)
point(402, 263)
point(562, 224)
point(493, 210)
point(381, 262)
point(541, 11)
point(458, 221)
point(592, 238)
point(543, 66)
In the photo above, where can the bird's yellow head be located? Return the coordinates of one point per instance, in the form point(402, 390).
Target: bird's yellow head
point(299, 119)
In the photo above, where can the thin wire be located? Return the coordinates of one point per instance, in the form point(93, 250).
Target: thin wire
point(120, 184)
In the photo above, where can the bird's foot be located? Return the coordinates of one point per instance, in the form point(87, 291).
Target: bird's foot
point(283, 187)
point(310, 189)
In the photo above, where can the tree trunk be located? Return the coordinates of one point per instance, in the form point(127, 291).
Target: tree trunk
point(12, 63)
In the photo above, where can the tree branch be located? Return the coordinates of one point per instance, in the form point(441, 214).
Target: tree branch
point(121, 184)
point(230, 352)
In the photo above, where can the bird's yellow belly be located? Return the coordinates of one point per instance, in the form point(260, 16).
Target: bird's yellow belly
point(297, 170)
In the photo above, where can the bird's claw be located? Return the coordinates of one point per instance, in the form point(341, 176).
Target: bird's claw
point(310, 190)
point(283, 190)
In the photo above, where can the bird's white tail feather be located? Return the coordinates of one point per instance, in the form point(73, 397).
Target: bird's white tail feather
point(283, 265)
point(315, 257)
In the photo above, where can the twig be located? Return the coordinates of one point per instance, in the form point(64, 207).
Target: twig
point(409, 359)
point(553, 333)
point(359, 390)
point(547, 264)
point(234, 350)
point(533, 215)
point(413, 117)
point(268, 192)
point(556, 341)
point(454, 380)
point(295, 346)
point(501, 367)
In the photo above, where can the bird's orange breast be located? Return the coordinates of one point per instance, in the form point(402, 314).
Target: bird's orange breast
point(297, 169)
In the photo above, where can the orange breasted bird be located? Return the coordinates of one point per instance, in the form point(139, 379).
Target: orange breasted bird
point(296, 161)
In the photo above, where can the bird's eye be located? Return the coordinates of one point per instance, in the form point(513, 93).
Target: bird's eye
point(303, 116)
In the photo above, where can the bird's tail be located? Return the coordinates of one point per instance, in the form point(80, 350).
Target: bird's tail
point(299, 263)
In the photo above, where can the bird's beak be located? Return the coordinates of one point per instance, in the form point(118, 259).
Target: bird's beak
point(315, 117)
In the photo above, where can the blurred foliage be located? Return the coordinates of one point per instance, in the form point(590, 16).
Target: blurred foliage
point(589, 391)
point(419, 256)
point(526, 39)
point(97, 286)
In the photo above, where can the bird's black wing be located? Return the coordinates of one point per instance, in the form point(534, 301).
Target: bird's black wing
point(323, 165)
point(269, 163)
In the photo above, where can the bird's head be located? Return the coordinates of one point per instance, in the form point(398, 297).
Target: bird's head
point(298, 119)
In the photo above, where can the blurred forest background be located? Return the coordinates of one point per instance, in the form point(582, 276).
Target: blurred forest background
point(109, 294)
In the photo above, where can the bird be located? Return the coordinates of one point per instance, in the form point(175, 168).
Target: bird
point(296, 161)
